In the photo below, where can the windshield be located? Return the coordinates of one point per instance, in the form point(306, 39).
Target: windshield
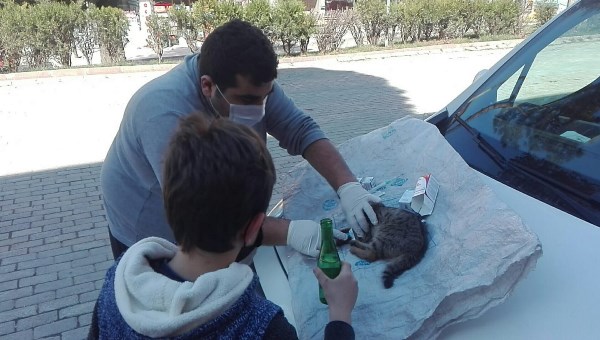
point(541, 110)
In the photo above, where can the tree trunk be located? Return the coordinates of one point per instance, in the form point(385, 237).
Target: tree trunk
point(105, 58)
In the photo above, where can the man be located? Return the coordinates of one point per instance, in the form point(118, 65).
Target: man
point(195, 289)
point(233, 76)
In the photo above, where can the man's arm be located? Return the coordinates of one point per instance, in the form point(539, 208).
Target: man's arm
point(299, 134)
point(302, 235)
point(275, 231)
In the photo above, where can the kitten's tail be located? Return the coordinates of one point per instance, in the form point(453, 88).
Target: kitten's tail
point(397, 266)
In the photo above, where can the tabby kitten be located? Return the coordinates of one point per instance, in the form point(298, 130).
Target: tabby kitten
point(399, 237)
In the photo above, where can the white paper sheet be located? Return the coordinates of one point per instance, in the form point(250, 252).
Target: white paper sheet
point(478, 248)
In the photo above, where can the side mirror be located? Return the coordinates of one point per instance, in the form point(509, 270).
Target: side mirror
point(479, 74)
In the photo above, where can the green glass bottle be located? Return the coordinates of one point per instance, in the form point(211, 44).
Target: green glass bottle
point(329, 259)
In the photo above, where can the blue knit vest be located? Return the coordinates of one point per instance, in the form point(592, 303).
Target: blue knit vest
point(248, 318)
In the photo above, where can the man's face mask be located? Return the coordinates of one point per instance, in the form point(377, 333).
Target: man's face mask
point(247, 115)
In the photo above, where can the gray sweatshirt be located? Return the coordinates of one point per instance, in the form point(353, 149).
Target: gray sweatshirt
point(131, 176)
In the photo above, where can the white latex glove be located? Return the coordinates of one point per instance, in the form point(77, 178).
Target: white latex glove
point(305, 236)
point(356, 203)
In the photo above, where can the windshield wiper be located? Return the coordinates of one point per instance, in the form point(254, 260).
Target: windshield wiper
point(489, 150)
point(556, 188)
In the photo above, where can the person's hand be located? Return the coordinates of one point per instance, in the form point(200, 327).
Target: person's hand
point(356, 203)
point(305, 236)
point(341, 293)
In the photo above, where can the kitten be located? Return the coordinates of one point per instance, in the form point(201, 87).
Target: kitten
point(399, 237)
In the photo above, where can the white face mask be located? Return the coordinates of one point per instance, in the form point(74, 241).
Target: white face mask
point(248, 115)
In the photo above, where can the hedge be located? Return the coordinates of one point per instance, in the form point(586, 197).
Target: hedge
point(48, 33)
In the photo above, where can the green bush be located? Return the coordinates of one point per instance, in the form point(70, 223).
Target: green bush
point(203, 16)
point(372, 15)
point(393, 21)
point(445, 17)
point(260, 14)
point(471, 17)
point(51, 33)
point(544, 11)
point(355, 27)
point(412, 19)
point(502, 17)
point(44, 31)
point(112, 34)
point(159, 29)
point(308, 27)
point(187, 27)
point(86, 34)
point(40, 44)
point(289, 21)
point(65, 19)
point(417, 20)
point(227, 10)
point(331, 30)
point(12, 35)
point(427, 19)
point(208, 14)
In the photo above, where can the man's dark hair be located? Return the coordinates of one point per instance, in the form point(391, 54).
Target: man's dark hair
point(217, 176)
point(238, 47)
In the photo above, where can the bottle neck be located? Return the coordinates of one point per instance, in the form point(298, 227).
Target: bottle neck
point(327, 242)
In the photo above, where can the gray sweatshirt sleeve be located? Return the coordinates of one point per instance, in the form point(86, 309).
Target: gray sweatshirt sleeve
point(294, 130)
point(154, 138)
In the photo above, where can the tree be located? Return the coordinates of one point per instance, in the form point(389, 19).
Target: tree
point(355, 26)
point(112, 34)
point(308, 27)
point(289, 20)
point(187, 27)
point(64, 22)
point(203, 16)
point(226, 11)
point(502, 17)
point(260, 14)
point(12, 35)
point(372, 15)
point(331, 30)
point(40, 44)
point(159, 29)
point(544, 11)
point(86, 34)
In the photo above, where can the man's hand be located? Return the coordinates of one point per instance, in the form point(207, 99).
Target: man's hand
point(356, 203)
point(305, 236)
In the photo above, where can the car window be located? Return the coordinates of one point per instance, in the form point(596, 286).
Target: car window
point(565, 66)
point(541, 109)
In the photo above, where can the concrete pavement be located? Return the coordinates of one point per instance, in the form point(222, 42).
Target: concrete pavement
point(56, 128)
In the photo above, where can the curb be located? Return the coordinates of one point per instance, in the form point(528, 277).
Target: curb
point(85, 71)
point(403, 52)
point(343, 57)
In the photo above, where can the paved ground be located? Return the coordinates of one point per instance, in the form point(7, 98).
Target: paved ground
point(55, 132)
